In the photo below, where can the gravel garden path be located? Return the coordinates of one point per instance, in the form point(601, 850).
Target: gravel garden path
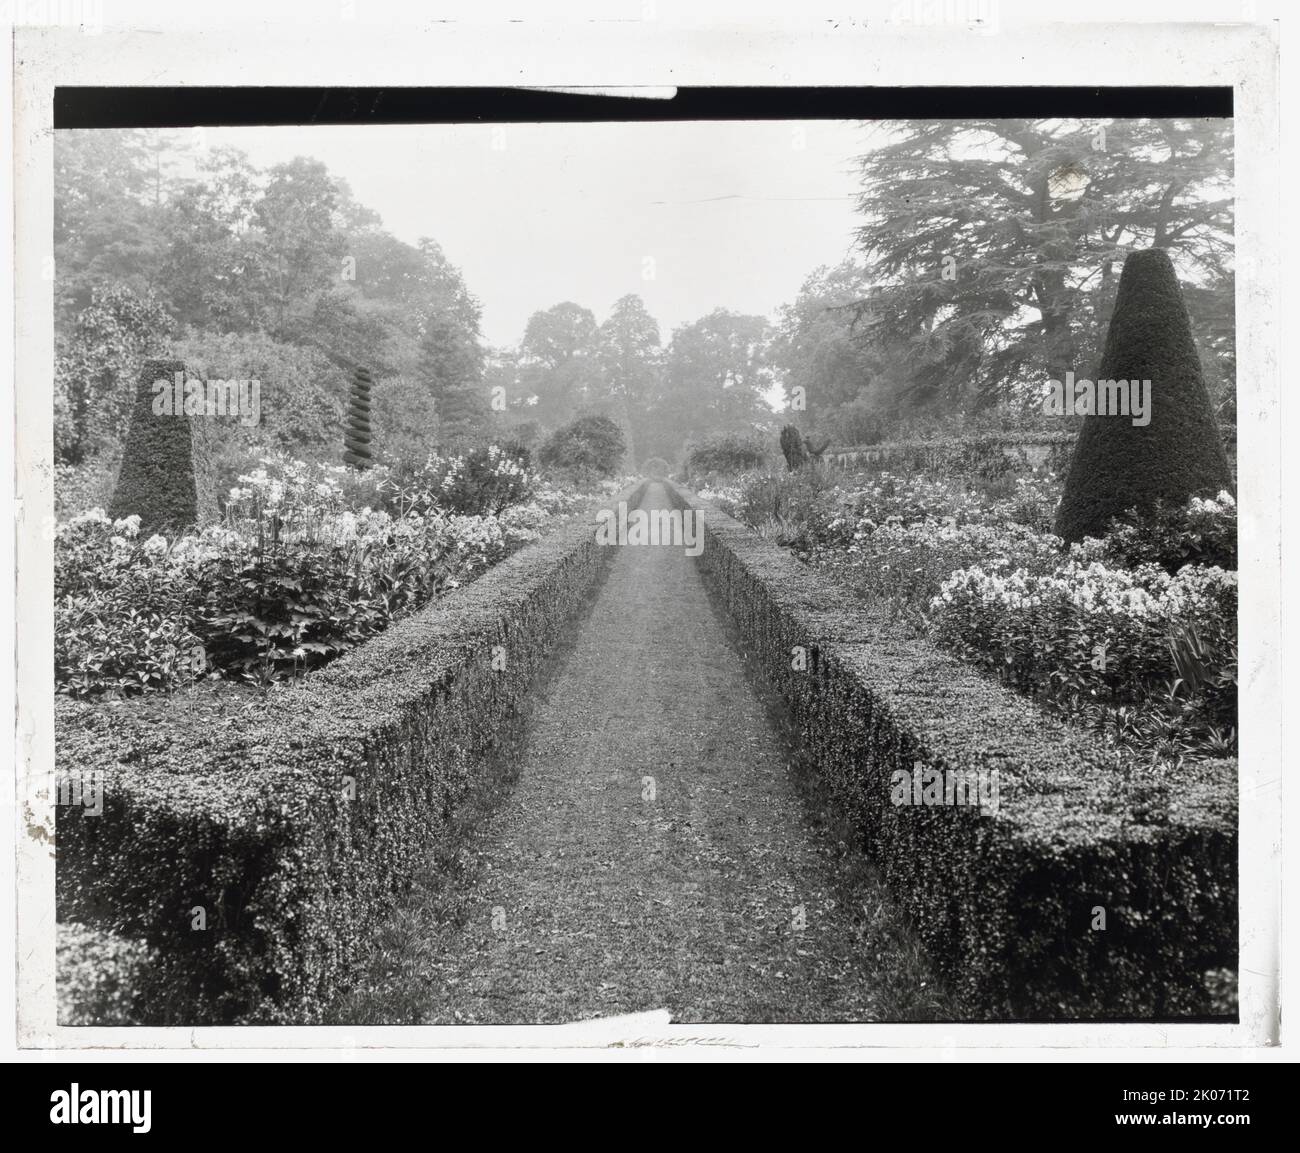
point(653, 849)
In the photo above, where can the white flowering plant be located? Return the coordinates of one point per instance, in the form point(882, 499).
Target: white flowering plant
point(1088, 634)
point(120, 620)
point(1137, 628)
point(484, 481)
point(1203, 532)
point(296, 573)
point(904, 565)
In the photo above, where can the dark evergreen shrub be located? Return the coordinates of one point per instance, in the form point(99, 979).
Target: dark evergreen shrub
point(728, 452)
point(1003, 901)
point(166, 476)
point(792, 447)
point(1118, 465)
point(591, 444)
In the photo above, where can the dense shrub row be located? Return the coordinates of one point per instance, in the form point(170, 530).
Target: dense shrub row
point(728, 452)
point(293, 825)
point(99, 976)
point(817, 508)
point(1133, 633)
point(987, 452)
point(1005, 902)
point(307, 562)
point(1088, 633)
point(590, 446)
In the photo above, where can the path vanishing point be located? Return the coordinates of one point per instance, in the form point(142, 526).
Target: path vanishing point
point(655, 850)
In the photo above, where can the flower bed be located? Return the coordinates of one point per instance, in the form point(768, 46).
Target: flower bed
point(308, 562)
point(253, 857)
point(1008, 901)
point(1133, 633)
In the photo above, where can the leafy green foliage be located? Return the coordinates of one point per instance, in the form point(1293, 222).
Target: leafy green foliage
point(302, 399)
point(725, 453)
point(1006, 926)
point(297, 826)
point(98, 976)
point(450, 370)
point(1202, 532)
point(591, 444)
point(838, 374)
point(1083, 634)
point(95, 370)
point(484, 481)
point(299, 572)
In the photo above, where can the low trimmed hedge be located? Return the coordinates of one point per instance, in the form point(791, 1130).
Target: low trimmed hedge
point(1004, 903)
point(98, 976)
point(258, 824)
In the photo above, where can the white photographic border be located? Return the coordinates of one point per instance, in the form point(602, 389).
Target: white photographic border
point(645, 51)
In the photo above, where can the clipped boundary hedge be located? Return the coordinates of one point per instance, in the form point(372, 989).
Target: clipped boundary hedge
point(1038, 448)
point(297, 831)
point(1004, 903)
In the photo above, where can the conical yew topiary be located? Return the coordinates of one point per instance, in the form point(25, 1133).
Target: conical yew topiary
point(1119, 464)
point(166, 476)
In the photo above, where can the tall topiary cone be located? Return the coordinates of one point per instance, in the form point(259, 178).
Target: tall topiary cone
point(166, 476)
point(1118, 465)
point(356, 437)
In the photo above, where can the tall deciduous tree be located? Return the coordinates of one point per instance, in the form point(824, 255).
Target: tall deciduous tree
point(304, 250)
point(833, 381)
point(558, 361)
point(629, 357)
point(104, 233)
point(716, 375)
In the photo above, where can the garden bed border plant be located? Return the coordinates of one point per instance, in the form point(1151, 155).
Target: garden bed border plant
point(254, 861)
point(1009, 904)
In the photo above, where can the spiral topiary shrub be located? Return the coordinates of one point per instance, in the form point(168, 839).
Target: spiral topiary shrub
point(356, 437)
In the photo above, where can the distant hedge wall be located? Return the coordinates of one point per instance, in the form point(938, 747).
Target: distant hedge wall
point(978, 451)
point(297, 828)
point(1004, 903)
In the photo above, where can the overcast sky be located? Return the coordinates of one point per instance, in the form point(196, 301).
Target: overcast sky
point(692, 216)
